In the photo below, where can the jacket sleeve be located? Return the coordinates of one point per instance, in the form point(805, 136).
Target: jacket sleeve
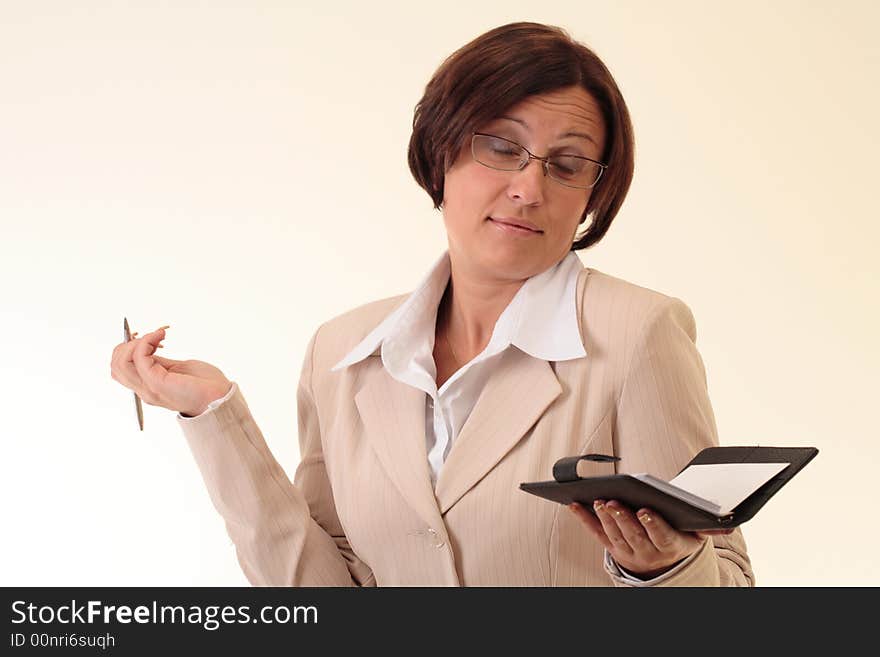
point(284, 534)
point(664, 418)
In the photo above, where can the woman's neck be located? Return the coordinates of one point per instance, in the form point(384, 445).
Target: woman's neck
point(469, 310)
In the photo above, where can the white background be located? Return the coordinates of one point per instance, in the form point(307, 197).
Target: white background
point(238, 170)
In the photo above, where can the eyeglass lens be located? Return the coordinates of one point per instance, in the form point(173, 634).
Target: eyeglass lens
point(506, 155)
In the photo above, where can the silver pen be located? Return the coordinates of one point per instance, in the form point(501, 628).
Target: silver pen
point(137, 400)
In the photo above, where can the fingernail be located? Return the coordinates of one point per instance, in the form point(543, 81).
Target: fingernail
point(162, 328)
point(598, 506)
point(645, 518)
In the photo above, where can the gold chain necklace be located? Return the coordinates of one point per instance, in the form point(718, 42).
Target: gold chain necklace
point(447, 323)
point(449, 344)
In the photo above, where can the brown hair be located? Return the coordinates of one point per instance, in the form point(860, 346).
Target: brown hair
point(494, 72)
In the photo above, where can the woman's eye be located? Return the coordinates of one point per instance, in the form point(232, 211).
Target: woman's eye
point(504, 150)
point(567, 165)
point(502, 146)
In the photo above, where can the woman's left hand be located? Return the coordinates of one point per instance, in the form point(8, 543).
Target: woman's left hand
point(643, 543)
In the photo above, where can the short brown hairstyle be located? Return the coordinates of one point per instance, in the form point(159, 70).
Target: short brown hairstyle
point(494, 72)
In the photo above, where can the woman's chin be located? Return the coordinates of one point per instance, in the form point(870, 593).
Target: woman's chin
point(508, 264)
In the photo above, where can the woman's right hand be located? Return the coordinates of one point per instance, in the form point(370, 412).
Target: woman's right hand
point(185, 386)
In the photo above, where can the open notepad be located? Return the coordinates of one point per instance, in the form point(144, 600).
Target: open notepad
point(716, 487)
point(721, 487)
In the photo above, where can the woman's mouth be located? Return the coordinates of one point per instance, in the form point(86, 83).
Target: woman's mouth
point(514, 226)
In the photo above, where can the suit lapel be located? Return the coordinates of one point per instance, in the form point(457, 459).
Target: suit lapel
point(512, 401)
point(393, 414)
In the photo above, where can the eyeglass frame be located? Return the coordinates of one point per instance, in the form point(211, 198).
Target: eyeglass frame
point(531, 156)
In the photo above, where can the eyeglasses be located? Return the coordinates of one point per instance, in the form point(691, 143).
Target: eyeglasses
point(505, 155)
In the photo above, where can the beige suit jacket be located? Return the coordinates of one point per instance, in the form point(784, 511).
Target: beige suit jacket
point(362, 510)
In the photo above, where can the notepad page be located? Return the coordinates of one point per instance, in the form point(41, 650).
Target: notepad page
point(726, 484)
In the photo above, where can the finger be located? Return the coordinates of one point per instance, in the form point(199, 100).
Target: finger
point(132, 380)
point(151, 372)
point(631, 529)
point(122, 351)
point(607, 517)
point(662, 534)
point(122, 367)
point(125, 373)
point(592, 523)
point(131, 339)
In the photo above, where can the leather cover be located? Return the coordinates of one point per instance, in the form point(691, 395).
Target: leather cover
point(681, 515)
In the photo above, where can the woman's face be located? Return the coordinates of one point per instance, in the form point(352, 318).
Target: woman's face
point(480, 203)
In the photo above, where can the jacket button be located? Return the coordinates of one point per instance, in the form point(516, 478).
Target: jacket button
point(437, 543)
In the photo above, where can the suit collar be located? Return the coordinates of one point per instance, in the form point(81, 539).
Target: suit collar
point(426, 296)
point(546, 300)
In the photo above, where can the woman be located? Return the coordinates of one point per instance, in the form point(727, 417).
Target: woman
point(419, 415)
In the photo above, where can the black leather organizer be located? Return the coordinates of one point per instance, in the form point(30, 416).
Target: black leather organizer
point(567, 487)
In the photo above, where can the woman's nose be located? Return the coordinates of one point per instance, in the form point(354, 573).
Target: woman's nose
point(527, 185)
